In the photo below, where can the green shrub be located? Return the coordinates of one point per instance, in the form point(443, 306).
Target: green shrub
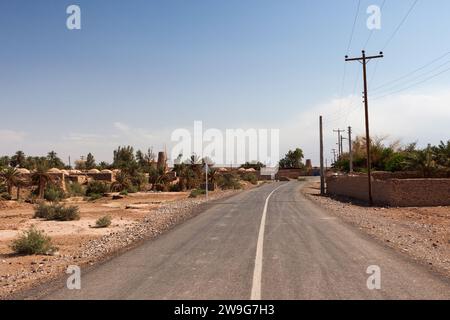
point(3, 188)
point(33, 242)
point(132, 189)
point(124, 192)
point(5, 196)
point(54, 193)
point(196, 192)
point(75, 189)
point(396, 163)
point(229, 181)
point(103, 222)
point(250, 177)
point(138, 181)
point(57, 212)
point(175, 187)
point(97, 188)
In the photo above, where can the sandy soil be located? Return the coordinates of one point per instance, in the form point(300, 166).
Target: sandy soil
point(421, 233)
point(134, 218)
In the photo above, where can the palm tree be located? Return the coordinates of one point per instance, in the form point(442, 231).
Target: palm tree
point(21, 183)
point(10, 175)
point(122, 182)
point(18, 159)
point(54, 160)
point(41, 178)
point(159, 178)
point(421, 160)
point(212, 176)
point(441, 154)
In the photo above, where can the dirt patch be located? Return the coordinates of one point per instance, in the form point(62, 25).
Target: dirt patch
point(135, 217)
point(422, 233)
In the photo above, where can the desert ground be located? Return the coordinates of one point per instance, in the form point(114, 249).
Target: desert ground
point(134, 217)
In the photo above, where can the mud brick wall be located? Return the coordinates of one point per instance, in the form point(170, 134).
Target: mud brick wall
point(290, 173)
point(393, 192)
point(107, 177)
point(419, 192)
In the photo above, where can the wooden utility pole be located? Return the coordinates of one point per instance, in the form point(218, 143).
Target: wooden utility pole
point(364, 60)
point(339, 131)
point(350, 152)
point(342, 143)
point(333, 151)
point(206, 180)
point(322, 173)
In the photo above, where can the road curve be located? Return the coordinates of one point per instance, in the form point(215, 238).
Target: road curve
point(306, 254)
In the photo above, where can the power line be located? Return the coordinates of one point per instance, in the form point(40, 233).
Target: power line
point(413, 85)
point(411, 80)
point(401, 24)
point(411, 72)
point(354, 26)
point(348, 49)
point(338, 115)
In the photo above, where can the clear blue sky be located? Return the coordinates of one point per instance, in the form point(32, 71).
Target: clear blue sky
point(159, 65)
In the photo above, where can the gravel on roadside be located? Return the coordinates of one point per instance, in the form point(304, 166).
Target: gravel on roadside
point(421, 233)
point(95, 250)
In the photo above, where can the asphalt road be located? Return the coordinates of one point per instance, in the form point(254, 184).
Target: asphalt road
point(252, 246)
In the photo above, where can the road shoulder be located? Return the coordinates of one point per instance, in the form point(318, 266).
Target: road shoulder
point(419, 233)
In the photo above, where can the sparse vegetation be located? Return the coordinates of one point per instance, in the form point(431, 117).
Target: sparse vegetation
point(94, 196)
point(257, 165)
point(250, 177)
point(196, 192)
point(5, 196)
point(57, 212)
point(103, 222)
point(229, 181)
point(97, 188)
point(54, 193)
point(75, 189)
point(33, 241)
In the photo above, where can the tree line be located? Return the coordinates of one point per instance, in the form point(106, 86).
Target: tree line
point(430, 161)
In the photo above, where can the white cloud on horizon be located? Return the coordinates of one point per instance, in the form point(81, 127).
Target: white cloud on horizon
point(11, 136)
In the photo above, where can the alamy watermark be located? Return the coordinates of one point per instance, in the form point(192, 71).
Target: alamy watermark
point(74, 280)
point(374, 20)
point(374, 280)
point(73, 21)
point(228, 147)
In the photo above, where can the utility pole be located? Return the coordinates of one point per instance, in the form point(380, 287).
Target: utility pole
point(350, 152)
point(206, 180)
point(322, 174)
point(342, 143)
point(339, 131)
point(333, 151)
point(364, 60)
